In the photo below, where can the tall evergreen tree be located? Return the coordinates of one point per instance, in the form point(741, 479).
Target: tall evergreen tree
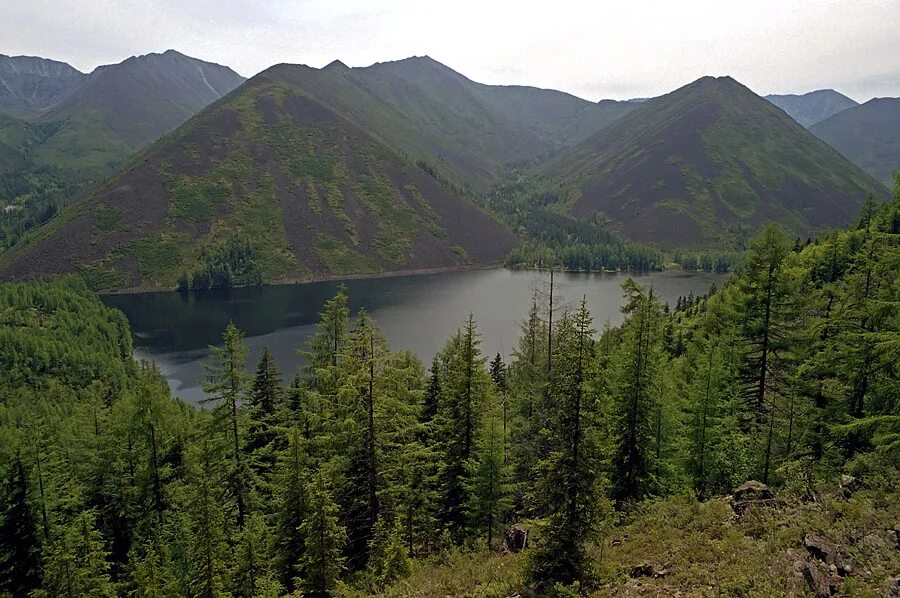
point(765, 315)
point(635, 381)
point(75, 564)
point(490, 492)
point(569, 475)
point(226, 386)
point(20, 568)
point(466, 387)
point(326, 346)
point(207, 552)
point(322, 562)
point(151, 576)
point(365, 353)
point(265, 400)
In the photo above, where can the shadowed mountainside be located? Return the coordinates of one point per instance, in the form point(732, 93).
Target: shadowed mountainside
point(868, 134)
point(815, 106)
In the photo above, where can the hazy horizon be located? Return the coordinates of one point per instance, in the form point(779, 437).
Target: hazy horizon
point(595, 52)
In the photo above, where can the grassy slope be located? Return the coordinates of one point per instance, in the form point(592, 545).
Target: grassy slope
point(869, 135)
point(705, 548)
point(314, 194)
point(705, 162)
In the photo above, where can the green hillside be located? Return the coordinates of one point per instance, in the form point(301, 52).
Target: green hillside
point(267, 185)
point(309, 173)
point(869, 135)
point(82, 138)
point(703, 165)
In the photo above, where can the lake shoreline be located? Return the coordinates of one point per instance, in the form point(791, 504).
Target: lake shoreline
point(391, 274)
point(304, 281)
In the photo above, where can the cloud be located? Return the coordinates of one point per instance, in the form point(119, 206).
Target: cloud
point(593, 49)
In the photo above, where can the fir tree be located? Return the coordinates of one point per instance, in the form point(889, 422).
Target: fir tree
point(265, 401)
point(569, 476)
point(291, 500)
point(465, 389)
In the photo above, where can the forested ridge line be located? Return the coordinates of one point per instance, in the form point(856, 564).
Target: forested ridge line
point(367, 472)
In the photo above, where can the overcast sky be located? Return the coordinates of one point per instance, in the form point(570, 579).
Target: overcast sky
point(594, 49)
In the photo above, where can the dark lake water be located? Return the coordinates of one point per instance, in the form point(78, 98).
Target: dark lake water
point(417, 313)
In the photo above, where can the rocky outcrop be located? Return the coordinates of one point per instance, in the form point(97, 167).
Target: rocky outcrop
point(751, 494)
point(515, 539)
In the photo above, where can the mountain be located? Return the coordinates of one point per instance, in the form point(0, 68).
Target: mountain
point(815, 106)
point(89, 130)
point(703, 164)
point(29, 84)
point(307, 173)
point(144, 97)
point(468, 131)
point(277, 181)
point(868, 134)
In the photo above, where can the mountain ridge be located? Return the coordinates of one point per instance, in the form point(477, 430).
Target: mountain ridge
point(30, 83)
point(812, 107)
point(85, 133)
point(868, 134)
point(709, 156)
point(305, 173)
point(313, 193)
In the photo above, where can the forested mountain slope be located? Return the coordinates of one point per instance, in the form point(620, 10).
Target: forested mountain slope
point(309, 173)
point(467, 130)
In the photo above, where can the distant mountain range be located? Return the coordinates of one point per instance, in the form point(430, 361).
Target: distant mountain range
point(312, 173)
point(868, 134)
point(64, 130)
point(29, 84)
point(813, 107)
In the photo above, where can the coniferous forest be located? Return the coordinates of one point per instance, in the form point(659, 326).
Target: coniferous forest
point(615, 451)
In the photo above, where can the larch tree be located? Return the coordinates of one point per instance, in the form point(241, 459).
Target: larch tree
point(635, 370)
point(20, 566)
point(490, 485)
point(75, 563)
point(226, 386)
point(322, 562)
